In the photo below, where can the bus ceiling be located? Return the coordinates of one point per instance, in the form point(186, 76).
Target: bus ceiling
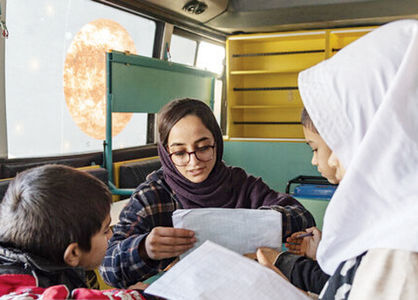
point(223, 17)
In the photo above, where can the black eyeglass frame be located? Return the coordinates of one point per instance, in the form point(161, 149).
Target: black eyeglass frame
point(190, 153)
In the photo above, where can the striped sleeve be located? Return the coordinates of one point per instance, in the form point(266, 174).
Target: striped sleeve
point(148, 208)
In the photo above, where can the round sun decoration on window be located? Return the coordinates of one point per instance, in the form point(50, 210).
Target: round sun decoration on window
point(85, 76)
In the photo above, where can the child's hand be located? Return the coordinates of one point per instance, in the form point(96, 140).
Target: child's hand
point(267, 257)
point(165, 242)
point(304, 246)
point(138, 286)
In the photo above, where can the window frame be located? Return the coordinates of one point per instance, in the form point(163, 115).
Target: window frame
point(4, 135)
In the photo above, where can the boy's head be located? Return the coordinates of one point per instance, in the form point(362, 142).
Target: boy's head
point(58, 213)
point(321, 152)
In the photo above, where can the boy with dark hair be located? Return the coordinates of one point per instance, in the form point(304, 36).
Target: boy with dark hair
point(54, 225)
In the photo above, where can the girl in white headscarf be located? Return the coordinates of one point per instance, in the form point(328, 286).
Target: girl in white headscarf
point(364, 104)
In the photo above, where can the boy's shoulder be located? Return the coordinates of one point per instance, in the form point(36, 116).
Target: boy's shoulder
point(25, 286)
point(25, 276)
point(17, 276)
point(20, 269)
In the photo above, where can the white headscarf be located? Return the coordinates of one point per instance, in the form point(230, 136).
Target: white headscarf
point(364, 103)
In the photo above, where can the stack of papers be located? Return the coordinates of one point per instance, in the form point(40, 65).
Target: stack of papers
point(214, 272)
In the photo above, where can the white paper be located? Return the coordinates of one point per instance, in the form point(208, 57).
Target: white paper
point(238, 229)
point(214, 272)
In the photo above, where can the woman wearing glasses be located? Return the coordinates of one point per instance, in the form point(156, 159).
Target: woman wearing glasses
point(193, 175)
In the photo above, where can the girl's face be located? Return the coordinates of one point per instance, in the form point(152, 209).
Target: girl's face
point(321, 155)
point(189, 135)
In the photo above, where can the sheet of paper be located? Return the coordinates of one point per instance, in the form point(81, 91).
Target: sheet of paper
point(240, 230)
point(214, 272)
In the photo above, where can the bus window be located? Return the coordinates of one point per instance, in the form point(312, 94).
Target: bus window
point(211, 57)
point(55, 75)
point(182, 50)
point(192, 50)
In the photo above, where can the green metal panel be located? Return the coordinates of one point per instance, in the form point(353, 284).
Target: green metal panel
point(275, 162)
point(143, 84)
point(317, 208)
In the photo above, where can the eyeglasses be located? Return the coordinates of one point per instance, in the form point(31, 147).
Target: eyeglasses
point(182, 158)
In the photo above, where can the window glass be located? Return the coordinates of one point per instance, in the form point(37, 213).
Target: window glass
point(218, 99)
point(55, 75)
point(211, 57)
point(182, 50)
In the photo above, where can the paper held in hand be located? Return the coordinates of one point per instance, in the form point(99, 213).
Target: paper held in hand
point(214, 272)
point(238, 229)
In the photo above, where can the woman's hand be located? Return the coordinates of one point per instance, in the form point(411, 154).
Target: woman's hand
point(304, 246)
point(166, 242)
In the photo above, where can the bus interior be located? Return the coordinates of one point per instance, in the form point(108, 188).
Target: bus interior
point(54, 79)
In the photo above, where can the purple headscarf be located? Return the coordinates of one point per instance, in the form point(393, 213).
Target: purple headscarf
point(228, 187)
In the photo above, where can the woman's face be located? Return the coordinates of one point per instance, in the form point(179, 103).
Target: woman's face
point(321, 154)
point(188, 135)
